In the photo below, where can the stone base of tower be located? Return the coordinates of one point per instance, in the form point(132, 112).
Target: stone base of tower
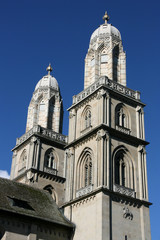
point(104, 216)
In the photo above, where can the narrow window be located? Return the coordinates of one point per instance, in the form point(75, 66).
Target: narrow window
point(88, 171)
point(117, 173)
point(88, 119)
point(123, 174)
point(104, 58)
point(86, 175)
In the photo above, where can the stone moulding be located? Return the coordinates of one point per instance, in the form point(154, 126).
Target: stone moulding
point(110, 84)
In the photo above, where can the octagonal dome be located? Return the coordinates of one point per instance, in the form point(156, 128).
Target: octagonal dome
point(103, 31)
point(47, 81)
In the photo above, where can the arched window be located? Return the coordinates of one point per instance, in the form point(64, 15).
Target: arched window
point(123, 169)
point(22, 161)
point(50, 159)
point(121, 115)
point(88, 119)
point(88, 171)
point(85, 169)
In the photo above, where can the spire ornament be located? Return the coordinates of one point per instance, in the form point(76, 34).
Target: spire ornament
point(49, 69)
point(106, 17)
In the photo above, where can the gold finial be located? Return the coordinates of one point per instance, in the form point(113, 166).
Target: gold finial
point(105, 17)
point(49, 69)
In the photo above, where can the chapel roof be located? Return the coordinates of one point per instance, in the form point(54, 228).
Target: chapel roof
point(29, 201)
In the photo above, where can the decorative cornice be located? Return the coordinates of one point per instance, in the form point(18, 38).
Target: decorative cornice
point(112, 132)
point(110, 85)
point(114, 196)
point(41, 132)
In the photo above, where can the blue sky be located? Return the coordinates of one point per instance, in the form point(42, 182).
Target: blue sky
point(34, 33)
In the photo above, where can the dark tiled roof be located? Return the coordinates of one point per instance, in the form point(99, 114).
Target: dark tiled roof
point(29, 201)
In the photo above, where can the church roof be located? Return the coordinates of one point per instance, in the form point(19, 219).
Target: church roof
point(48, 80)
point(29, 201)
point(104, 31)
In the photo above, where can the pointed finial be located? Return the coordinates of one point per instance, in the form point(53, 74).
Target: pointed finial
point(49, 69)
point(105, 17)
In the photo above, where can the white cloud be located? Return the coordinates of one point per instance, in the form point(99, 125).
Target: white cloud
point(4, 174)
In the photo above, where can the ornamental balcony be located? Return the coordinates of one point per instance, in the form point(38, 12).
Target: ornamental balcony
point(123, 190)
point(84, 191)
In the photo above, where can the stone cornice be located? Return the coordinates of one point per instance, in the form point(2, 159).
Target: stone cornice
point(43, 174)
point(113, 133)
point(114, 195)
point(110, 85)
point(44, 133)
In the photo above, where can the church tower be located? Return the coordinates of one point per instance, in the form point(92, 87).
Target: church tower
point(106, 192)
point(39, 153)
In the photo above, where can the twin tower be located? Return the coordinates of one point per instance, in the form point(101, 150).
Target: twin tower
point(97, 175)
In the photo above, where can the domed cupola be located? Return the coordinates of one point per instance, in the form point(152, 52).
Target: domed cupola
point(48, 81)
point(46, 107)
point(105, 55)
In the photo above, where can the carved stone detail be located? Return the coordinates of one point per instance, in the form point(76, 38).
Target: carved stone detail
point(127, 214)
point(84, 191)
point(71, 114)
point(102, 134)
point(123, 190)
point(69, 153)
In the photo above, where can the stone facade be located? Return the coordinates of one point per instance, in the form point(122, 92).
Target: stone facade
point(97, 175)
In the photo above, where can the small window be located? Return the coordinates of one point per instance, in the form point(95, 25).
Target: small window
point(19, 203)
point(42, 107)
point(104, 58)
point(50, 160)
point(92, 62)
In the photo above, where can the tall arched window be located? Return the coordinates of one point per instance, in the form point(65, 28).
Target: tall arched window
point(88, 171)
point(121, 116)
point(123, 168)
point(120, 169)
point(85, 169)
point(88, 119)
point(50, 159)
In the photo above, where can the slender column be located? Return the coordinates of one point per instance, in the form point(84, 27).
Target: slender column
point(140, 171)
point(137, 120)
point(108, 160)
point(146, 181)
point(108, 109)
point(143, 124)
point(37, 153)
point(14, 161)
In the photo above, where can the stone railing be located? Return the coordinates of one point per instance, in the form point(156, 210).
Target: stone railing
point(44, 132)
point(84, 191)
point(50, 171)
point(123, 129)
point(123, 190)
point(110, 84)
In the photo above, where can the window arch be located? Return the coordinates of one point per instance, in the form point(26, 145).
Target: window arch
point(85, 169)
point(50, 159)
point(52, 192)
point(86, 117)
point(22, 161)
point(123, 168)
point(121, 116)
